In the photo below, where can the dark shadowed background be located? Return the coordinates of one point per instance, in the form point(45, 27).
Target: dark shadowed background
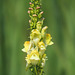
point(60, 19)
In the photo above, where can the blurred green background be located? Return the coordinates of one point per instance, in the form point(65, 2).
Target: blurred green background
point(60, 19)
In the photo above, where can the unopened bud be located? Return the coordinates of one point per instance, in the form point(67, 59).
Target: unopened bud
point(30, 8)
point(29, 12)
point(30, 3)
point(41, 12)
point(37, 7)
point(29, 21)
point(34, 15)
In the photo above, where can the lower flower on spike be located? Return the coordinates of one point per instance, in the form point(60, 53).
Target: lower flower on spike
point(33, 58)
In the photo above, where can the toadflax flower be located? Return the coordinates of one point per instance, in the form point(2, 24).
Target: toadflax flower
point(26, 46)
point(34, 57)
point(39, 40)
point(35, 36)
point(44, 31)
point(42, 48)
point(48, 39)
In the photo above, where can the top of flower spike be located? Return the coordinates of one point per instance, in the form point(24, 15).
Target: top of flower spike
point(35, 13)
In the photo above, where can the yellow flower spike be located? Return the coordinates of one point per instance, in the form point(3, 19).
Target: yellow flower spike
point(43, 31)
point(26, 45)
point(48, 39)
point(34, 57)
point(39, 40)
point(35, 36)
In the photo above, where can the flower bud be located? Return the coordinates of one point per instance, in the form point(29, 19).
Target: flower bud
point(39, 25)
point(41, 12)
point(36, 2)
point(37, 7)
point(30, 3)
point(29, 21)
point(30, 8)
point(28, 12)
point(34, 15)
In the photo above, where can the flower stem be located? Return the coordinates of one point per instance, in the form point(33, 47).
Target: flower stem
point(35, 70)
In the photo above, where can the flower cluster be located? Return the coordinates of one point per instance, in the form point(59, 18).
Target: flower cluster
point(39, 39)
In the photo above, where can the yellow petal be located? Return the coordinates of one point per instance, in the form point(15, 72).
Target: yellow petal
point(39, 25)
point(34, 57)
point(35, 31)
point(51, 43)
point(23, 49)
point(34, 52)
point(44, 55)
point(48, 39)
point(44, 31)
point(41, 45)
point(35, 34)
point(28, 59)
point(26, 45)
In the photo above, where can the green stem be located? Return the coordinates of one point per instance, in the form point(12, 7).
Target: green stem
point(35, 70)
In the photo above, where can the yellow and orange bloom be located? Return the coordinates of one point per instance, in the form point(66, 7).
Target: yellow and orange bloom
point(26, 46)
